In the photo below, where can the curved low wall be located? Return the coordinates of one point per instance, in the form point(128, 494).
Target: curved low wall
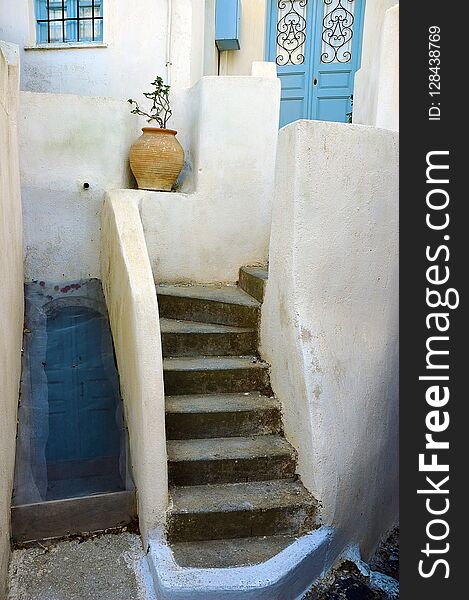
point(133, 313)
point(330, 319)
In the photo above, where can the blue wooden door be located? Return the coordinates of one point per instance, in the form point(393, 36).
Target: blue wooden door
point(289, 46)
point(82, 389)
point(316, 45)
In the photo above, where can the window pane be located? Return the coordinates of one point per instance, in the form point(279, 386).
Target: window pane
point(98, 31)
point(87, 5)
point(71, 31)
point(56, 32)
point(42, 36)
point(86, 30)
point(85, 11)
point(41, 9)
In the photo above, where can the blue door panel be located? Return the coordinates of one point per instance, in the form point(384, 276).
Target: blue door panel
point(294, 78)
point(294, 100)
point(292, 110)
point(335, 80)
point(335, 65)
point(332, 109)
point(98, 414)
point(82, 393)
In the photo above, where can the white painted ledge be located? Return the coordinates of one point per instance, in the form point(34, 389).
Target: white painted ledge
point(67, 46)
point(287, 575)
point(264, 69)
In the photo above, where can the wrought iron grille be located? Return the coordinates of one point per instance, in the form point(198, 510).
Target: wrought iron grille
point(337, 31)
point(291, 32)
point(60, 21)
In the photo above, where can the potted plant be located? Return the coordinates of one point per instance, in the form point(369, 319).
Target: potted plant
point(156, 158)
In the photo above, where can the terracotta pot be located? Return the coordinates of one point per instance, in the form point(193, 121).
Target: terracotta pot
point(156, 159)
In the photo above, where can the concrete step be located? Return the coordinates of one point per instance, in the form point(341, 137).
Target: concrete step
point(224, 374)
point(236, 510)
point(230, 460)
point(221, 415)
point(225, 305)
point(229, 553)
point(253, 281)
point(192, 338)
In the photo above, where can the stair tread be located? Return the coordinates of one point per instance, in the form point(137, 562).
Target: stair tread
point(224, 293)
point(246, 496)
point(212, 363)
point(183, 326)
point(229, 552)
point(232, 448)
point(259, 272)
point(220, 403)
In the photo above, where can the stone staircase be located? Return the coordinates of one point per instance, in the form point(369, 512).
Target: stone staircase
point(235, 497)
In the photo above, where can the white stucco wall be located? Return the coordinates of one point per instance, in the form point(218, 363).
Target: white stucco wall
point(330, 318)
point(228, 130)
point(11, 274)
point(134, 50)
point(222, 221)
point(252, 40)
point(66, 141)
point(376, 93)
point(133, 314)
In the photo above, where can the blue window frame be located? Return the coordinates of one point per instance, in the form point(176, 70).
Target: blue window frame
point(61, 21)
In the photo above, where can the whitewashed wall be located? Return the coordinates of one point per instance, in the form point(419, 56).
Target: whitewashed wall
point(330, 319)
point(222, 221)
point(66, 141)
point(376, 94)
point(135, 48)
point(11, 274)
point(252, 40)
point(228, 129)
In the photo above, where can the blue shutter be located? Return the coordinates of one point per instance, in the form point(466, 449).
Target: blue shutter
point(227, 24)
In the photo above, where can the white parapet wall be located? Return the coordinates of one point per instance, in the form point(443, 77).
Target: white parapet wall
point(133, 313)
point(221, 218)
point(330, 319)
point(218, 222)
point(11, 273)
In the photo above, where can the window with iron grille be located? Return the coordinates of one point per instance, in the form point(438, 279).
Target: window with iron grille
point(60, 21)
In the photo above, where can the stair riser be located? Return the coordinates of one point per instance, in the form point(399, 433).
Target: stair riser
point(209, 344)
point(194, 472)
point(291, 520)
point(216, 381)
point(181, 426)
point(204, 311)
point(254, 286)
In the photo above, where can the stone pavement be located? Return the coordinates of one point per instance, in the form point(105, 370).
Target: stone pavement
point(113, 567)
point(108, 567)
